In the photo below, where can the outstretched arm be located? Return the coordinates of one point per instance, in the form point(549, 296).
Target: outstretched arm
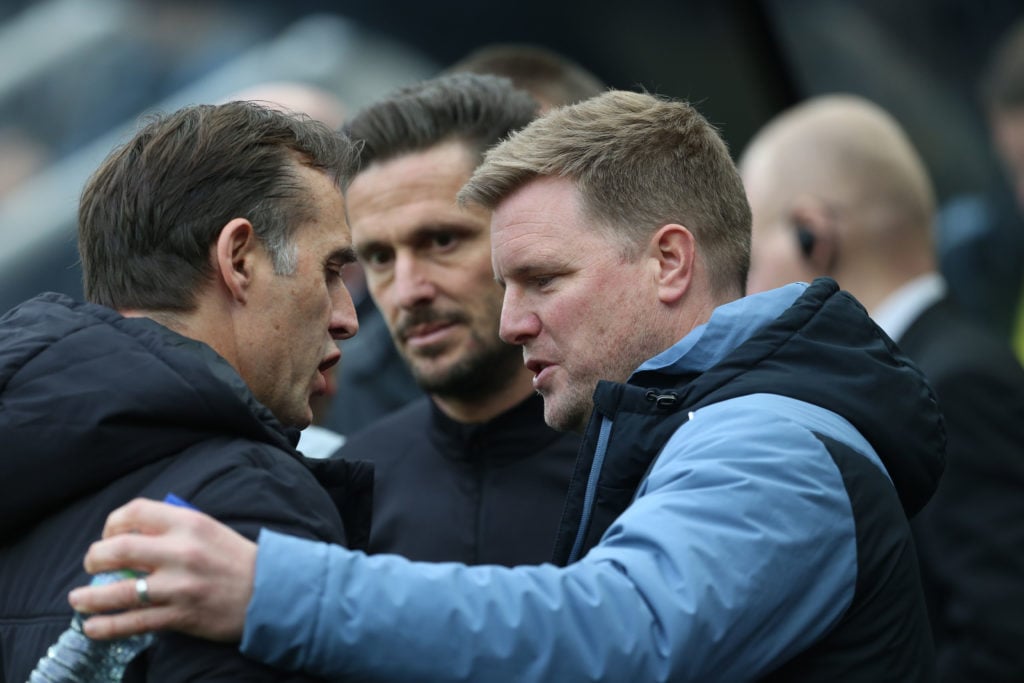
point(200, 574)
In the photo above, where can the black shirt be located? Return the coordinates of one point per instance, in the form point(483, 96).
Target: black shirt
point(489, 493)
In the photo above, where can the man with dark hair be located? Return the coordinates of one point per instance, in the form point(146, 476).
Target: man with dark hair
point(212, 245)
point(371, 370)
point(739, 506)
point(469, 472)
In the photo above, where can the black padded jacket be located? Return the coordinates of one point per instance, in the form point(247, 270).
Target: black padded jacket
point(97, 409)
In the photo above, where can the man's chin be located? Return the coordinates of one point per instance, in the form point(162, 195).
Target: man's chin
point(431, 366)
point(299, 419)
point(432, 380)
point(563, 417)
point(427, 355)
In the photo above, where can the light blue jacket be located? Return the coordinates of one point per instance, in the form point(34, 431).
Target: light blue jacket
point(738, 552)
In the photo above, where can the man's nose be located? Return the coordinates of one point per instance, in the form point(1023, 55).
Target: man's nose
point(344, 323)
point(518, 323)
point(412, 283)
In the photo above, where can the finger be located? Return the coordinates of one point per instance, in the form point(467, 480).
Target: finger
point(130, 551)
point(119, 595)
point(145, 516)
point(124, 624)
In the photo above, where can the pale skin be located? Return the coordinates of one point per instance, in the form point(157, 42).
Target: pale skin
point(564, 305)
point(428, 267)
point(201, 573)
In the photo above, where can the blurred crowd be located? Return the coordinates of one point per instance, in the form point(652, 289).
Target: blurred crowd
point(80, 74)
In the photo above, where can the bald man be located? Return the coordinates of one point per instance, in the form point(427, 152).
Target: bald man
point(837, 189)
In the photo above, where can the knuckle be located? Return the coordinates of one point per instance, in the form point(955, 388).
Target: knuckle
point(191, 557)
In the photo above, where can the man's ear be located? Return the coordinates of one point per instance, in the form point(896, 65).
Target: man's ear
point(674, 252)
point(234, 257)
point(816, 234)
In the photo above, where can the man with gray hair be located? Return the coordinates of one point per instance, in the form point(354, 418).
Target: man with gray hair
point(212, 244)
point(739, 510)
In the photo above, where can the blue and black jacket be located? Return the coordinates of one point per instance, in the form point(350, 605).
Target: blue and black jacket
point(740, 514)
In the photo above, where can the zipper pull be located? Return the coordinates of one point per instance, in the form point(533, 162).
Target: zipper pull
point(662, 400)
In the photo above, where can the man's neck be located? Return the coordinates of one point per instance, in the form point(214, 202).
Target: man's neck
point(195, 324)
point(904, 304)
point(169, 319)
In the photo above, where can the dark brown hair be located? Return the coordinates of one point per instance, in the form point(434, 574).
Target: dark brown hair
point(477, 110)
point(151, 212)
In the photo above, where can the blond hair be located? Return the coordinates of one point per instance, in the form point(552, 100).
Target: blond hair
point(639, 162)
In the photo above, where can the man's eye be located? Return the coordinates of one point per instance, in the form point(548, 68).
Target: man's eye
point(542, 281)
point(444, 239)
point(376, 259)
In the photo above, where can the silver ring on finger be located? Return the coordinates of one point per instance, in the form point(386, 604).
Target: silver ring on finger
point(142, 590)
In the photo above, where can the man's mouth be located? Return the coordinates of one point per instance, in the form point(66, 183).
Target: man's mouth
point(426, 333)
point(541, 371)
point(322, 383)
point(425, 327)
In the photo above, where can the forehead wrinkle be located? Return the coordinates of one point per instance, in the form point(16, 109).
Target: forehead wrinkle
point(533, 251)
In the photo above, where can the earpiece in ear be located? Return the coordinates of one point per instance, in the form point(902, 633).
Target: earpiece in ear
point(806, 239)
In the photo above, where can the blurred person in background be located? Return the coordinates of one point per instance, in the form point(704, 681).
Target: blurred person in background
point(553, 79)
point(981, 237)
point(1003, 92)
point(469, 472)
point(22, 157)
point(837, 190)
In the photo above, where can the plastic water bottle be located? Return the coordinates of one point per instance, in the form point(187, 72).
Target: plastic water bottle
point(77, 658)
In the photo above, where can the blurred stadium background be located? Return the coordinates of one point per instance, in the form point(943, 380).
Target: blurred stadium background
point(76, 76)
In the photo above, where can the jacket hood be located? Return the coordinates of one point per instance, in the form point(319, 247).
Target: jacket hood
point(816, 344)
point(87, 396)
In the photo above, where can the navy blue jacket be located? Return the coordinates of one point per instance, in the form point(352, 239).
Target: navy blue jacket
point(97, 409)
